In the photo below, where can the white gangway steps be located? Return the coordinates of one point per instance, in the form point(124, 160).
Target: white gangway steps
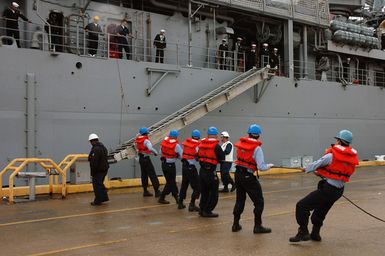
point(195, 110)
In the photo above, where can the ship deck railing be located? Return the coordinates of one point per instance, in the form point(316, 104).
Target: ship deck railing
point(305, 11)
point(352, 75)
point(74, 40)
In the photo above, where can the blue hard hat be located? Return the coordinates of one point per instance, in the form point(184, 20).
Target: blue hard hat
point(255, 129)
point(196, 134)
point(143, 130)
point(345, 135)
point(173, 133)
point(212, 131)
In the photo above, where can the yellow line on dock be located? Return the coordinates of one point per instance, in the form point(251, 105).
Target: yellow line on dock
point(79, 247)
point(80, 215)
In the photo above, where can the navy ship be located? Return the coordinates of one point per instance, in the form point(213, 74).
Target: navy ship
point(328, 75)
point(302, 69)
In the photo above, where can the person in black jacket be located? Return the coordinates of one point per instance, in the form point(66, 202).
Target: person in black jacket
point(99, 168)
point(56, 22)
point(160, 45)
point(12, 15)
point(122, 32)
point(93, 30)
point(252, 57)
point(222, 54)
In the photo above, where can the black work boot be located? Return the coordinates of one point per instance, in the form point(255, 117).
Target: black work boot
point(180, 204)
point(146, 193)
point(302, 235)
point(162, 200)
point(176, 199)
point(209, 214)
point(259, 229)
point(157, 193)
point(236, 226)
point(224, 190)
point(314, 235)
point(232, 187)
point(193, 208)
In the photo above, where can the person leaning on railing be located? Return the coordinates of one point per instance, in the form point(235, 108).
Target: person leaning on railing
point(12, 15)
point(122, 32)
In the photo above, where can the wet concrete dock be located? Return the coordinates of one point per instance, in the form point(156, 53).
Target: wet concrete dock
point(132, 225)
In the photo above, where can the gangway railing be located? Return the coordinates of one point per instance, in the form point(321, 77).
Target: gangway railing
point(195, 110)
point(19, 164)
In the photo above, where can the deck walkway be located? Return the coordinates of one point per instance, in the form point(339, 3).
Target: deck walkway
point(132, 225)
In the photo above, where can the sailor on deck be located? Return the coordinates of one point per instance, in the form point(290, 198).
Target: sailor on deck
point(93, 29)
point(335, 168)
point(144, 148)
point(160, 44)
point(170, 151)
point(189, 171)
point(210, 154)
point(250, 160)
point(12, 15)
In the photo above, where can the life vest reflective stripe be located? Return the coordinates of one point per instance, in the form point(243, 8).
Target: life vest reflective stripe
point(245, 152)
point(206, 152)
point(168, 147)
point(189, 148)
point(343, 164)
point(139, 142)
point(229, 156)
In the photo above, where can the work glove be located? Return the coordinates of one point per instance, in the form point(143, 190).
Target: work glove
point(163, 159)
point(270, 165)
point(155, 154)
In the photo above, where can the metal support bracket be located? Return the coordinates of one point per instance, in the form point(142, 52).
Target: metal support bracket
point(163, 72)
point(259, 90)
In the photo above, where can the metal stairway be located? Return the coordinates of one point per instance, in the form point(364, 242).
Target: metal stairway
point(195, 110)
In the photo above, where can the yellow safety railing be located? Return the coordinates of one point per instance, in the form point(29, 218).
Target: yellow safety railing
point(19, 164)
point(68, 161)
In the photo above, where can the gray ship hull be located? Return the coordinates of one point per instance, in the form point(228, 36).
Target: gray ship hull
point(298, 117)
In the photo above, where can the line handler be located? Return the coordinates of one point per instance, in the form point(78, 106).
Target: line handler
point(250, 159)
point(335, 168)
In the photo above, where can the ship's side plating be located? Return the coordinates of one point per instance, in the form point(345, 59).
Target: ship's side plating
point(298, 117)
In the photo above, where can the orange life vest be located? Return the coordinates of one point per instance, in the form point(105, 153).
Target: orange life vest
point(189, 148)
point(206, 152)
point(245, 152)
point(139, 141)
point(168, 147)
point(343, 164)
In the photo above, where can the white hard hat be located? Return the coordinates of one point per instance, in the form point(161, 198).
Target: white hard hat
point(225, 134)
point(163, 31)
point(93, 136)
point(14, 4)
point(275, 49)
point(253, 45)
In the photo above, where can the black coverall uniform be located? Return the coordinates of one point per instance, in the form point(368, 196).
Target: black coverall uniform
point(99, 168)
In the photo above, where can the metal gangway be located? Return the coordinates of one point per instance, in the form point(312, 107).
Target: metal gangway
point(195, 110)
